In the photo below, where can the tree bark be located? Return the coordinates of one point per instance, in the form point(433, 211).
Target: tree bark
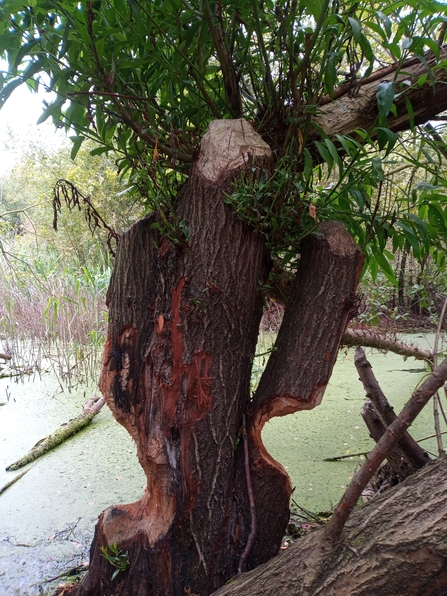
point(395, 544)
point(396, 458)
point(375, 339)
point(183, 327)
point(357, 108)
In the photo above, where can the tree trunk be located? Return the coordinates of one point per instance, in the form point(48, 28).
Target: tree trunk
point(393, 545)
point(183, 327)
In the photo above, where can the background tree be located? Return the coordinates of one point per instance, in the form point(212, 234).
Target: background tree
point(146, 79)
point(53, 286)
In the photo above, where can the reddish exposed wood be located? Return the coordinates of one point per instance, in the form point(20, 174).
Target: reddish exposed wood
point(180, 319)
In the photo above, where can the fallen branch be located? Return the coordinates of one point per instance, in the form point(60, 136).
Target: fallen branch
point(380, 341)
point(395, 544)
point(89, 411)
point(5, 356)
point(392, 435)
point(414, 455)
point(68, 573)
point(11, 482)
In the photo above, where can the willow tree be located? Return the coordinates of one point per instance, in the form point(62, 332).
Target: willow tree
point(259, 135)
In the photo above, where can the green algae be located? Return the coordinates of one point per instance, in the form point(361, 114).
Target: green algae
point(48, 516)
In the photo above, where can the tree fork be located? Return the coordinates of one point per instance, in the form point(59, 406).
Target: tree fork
point(322, 302)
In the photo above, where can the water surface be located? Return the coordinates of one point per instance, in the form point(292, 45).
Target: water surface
point(47, 518)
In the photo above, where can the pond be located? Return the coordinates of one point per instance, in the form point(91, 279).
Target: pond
point(48, 516)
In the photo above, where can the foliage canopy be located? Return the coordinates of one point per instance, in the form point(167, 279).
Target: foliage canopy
point(145, 78)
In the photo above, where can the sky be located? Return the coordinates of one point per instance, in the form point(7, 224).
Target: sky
point(18, 118)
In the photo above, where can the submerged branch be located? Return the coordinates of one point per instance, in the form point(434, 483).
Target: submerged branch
point(11, 482)
point(60, 435)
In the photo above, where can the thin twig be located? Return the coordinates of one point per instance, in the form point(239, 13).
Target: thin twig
point(251, 498)
point(337, 457)
point(308, 513)
point(430, 437)
point(441, 450)
point(11, 482)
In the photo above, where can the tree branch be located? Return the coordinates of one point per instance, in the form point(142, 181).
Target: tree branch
point(392, 435)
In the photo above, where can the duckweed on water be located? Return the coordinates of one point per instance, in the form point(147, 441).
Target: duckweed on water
point(48, 516)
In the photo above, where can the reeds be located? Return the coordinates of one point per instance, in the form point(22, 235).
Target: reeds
point(52, 313)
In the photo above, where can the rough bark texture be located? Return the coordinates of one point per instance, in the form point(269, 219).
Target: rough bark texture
point(396, 458)
point(183, 326)
point(358, 108)
point(182, 333)
point(301, 363)
point(395, 545)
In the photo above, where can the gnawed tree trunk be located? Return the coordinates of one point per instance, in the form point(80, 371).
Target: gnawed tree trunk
point(394, 545)
point(183, 326)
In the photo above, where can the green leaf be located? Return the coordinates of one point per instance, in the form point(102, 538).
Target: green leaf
point(410, 237)
point(8, 89)
point(323, 151)
point(308, 165)
point(377, 168)
point(436, 217)
point(330, 73)
point(77, 142)
point(314, 7)
point(334, 154)
point(386, 23)
point(100, 150)
point(356, 29)
point(386, 138)
point(422, 226)
point(385, 98)
point(381, 260)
